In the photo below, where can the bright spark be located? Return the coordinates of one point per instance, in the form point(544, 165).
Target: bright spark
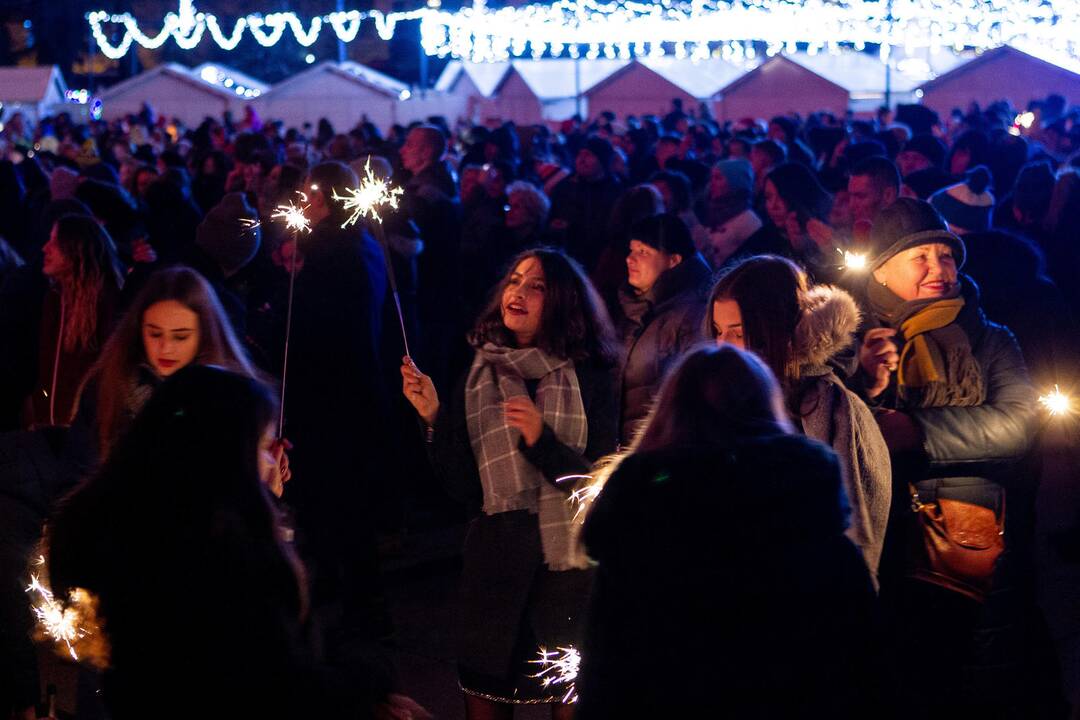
point(294, 216)
point(62, 624)
point(365, 201)
point(1056, 402)
point(852, 261)
point(584, 496)
point(559, 668)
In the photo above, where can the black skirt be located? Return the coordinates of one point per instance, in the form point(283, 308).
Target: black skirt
point(511, 606)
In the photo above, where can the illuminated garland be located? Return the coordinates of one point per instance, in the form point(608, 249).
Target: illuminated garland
point(697, 29)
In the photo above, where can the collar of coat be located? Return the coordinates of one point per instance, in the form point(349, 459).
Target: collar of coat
point(827, 327)
point(690, 276)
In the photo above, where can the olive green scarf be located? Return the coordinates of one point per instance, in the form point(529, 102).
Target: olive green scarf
point(937, 367)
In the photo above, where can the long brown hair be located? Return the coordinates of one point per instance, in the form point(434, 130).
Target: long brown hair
point(117, 367)
point(574, 324)
point(94, 270)
point(768, 290)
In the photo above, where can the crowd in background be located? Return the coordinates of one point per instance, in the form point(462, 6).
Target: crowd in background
point(133, 248)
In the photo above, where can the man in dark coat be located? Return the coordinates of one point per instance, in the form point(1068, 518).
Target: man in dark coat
point(335, 405)
point(581, 205)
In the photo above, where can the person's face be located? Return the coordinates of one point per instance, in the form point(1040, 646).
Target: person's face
point(170, 333)
point(718, 184)
point(143, 182)
point(523, 301)
point(415, 152)
point(587, 165)
point(737, 149)
point(55, 264)
point(866, 198)
point(727, 323)
point(777, 133)
point(840, 212)
point(919, 273)
point(910, 161)
point(252, 173)
point(645, 264)
point(518, 213)
point(775, 206)
point(665, 151)
point(760, 161)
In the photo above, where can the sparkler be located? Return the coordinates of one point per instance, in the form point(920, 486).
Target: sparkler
point(852, 261)
point(365, 201)
point(68, 623)
point(560, 668)
point(1056, 402)
point(295, 220)
point(583, 496)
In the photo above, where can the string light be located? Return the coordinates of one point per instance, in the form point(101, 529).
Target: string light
point(1047, 28)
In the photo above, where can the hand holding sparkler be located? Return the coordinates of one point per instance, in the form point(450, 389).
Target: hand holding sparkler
point(419, 391)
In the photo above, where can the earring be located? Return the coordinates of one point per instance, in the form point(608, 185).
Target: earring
point(884, 283)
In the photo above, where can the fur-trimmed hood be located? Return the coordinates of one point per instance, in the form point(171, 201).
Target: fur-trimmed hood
point(830, 318)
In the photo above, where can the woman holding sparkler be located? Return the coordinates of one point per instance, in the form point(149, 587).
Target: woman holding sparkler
point(958, 412)
point(765, 305)
point(538, 404)
point(725, 584)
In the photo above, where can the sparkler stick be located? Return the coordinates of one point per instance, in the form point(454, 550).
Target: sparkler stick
point(1056, 402)
point(294, 220)
point(559, 668)
point(365, 201)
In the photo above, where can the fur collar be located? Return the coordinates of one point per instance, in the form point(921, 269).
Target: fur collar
point(830, 318)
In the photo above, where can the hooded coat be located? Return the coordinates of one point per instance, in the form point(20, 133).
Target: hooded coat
point(834, 415)
point(657, 328)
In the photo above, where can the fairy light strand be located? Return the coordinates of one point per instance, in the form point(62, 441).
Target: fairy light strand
point(699, 29)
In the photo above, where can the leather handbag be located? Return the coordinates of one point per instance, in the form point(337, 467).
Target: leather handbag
point(956, 545)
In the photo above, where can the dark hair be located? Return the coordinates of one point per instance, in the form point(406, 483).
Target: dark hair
point(116, 369)
point(95, 271)
point(767, 289)
point(665, 232)
point(180, 506)
point(574, 324)
point(330, 176)
point(777, 152)
point(711, 397)
point(632, 206)
point(881, 171)
point(679, 185)
point(434, 137)
point(800, 190)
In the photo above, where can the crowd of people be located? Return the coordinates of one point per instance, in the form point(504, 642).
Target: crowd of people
point(785, 370)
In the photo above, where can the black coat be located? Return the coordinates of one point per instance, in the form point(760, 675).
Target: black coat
point(455, 464)
point(725, 587)
point(580, 211)
point(656, 330)
point(430, 201)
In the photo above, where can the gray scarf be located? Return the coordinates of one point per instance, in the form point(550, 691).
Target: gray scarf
point(510, 482)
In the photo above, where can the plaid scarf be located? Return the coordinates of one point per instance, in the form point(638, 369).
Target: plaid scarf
point(511, 482)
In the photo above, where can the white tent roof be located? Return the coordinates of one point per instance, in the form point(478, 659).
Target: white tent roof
point(554, 78)
point(31, 85)
point(858, 73)
point(171, 69)
point(352, 71)
point(373, 77)
point(485, 76)
point(700, 79)
point(230, 78)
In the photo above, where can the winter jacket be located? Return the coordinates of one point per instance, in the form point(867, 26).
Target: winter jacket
point(430, 201)
point(725, 587)
point(657, 328)
point(454, 463)
point(580, 212)
point(834, 415)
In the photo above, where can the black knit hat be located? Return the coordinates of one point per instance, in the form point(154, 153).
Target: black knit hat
point(602, 149)
point(908, 223)
point(230, 233)
point(666, 232)
point(928, 146)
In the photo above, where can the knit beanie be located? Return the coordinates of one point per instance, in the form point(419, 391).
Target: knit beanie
point(928, 146)
point(62, 183)
point(602, 149)
point(229, 233)
point(739, 174)
point(666, 233)
point(908, 223)
point(968, 205)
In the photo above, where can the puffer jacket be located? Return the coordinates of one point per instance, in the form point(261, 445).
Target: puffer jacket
point(829, 412)
point(656, 328)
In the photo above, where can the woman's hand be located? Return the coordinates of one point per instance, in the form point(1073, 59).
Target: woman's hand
point(419, 391)
point(522, 414)
point(284, 473)
point(878, 358)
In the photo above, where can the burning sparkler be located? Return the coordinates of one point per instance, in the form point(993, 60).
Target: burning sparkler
point(294, 216)
point(295, 220)
point(70, 623)
point(1056, 402)
point(365, 201)
point(560, 668)
point(583, 496)
point(852, 261)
